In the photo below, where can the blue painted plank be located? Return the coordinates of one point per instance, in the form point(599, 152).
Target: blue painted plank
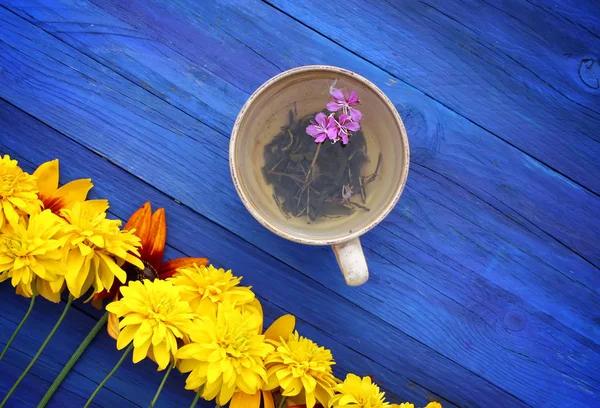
point(383, 271)
point(511, 68)
point(580, 13)
point(403, 380)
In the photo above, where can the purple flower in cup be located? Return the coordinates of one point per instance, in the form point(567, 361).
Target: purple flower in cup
point(323, 127)
point(345, 101)
point(344, 126)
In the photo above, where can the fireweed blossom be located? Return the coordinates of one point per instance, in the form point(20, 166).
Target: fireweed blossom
point(339, 128)
point(345, 126)
point(346, 102)
point(323, 127)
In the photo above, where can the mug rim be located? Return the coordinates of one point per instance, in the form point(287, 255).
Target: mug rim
point(233, 164)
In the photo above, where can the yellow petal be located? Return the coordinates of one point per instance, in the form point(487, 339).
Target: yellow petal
point(162, 356)
point(282, 327)
point(74, 191)
point(95, 206)
point(113, 326)
point(10, 214)
point(125, 336)
point(114, 269)
point(47, 177)
point(140, 353)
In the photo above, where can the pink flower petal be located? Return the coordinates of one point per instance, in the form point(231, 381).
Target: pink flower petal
point(356, 115)
point(353, 126)
point(321, 138)
point(333, 106)
point(321, 119)
point(344, 118)
point(344, 138)
point(332, 133)
point(337, 95)
point(353, 99)
point(312, 130)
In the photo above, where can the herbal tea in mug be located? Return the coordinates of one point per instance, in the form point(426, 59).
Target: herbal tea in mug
point(317, 163)
point(319, 156)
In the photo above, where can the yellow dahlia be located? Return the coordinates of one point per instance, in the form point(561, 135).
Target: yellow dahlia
point(356, 392)
point(99, 248)
point(204, 287)
point(33, 250)
point(18, 193)
point(302, 370)
point(154, 317)
point(226, 354)
point(432, 404)
point(54, 198)
point(281, 328)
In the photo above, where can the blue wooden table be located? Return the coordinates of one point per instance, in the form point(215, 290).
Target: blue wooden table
point(485, 287)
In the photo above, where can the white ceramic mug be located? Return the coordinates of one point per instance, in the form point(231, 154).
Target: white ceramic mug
point(305, 90)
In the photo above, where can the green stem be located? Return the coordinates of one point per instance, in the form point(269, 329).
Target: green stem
point(82, 347)
point(197, 397)
point(22, 321)
point(162, 384)
point(282, 402)
point(99, 387)
point(39, 352)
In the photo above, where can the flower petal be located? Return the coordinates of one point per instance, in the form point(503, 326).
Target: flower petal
point(321, 138)
point(353, 99)
point(332, 134)
point(312, 130)
point(268, 399)
point(321, 119)
point(353, 126)
point(356, 115)
point(47, 177)
point(140, 221)
point(333, 106)
point(157, 237)
point(169, 268)
point(76, 190)
point(337, 95)
point(282, 327)
point(242, 400)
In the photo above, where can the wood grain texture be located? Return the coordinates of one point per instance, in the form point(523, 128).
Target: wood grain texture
point(478, 263)
point(491, 63)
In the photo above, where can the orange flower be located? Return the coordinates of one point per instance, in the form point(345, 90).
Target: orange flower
point(152, 231)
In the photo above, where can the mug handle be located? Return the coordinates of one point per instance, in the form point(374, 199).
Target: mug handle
point(352, 262)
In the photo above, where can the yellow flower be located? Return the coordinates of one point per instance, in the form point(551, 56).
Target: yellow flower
point(54, 198)
point(33, 249)
point(409, 405)
point(18, 193)
point(96, 241)
point(153, 315)
point(281, 328)
point(302, 369)
point(204, 287)
point(226, 354)
point(358, 392)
